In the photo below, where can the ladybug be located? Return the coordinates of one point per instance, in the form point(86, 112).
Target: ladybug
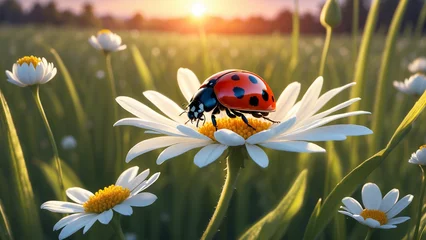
point(234, 91)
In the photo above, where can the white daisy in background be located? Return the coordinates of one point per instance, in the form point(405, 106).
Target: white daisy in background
point(378, 212)
point(100, 74)
point(300, 124)
point(68, 142)
point(89, 208)
point(107, 41)
point(415, 85)
point(419, 157)
point(31, 70)
point(418, 65)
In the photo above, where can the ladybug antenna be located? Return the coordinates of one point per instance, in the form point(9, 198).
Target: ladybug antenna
point(187, 121)
point(182, 113)
point(184, 105)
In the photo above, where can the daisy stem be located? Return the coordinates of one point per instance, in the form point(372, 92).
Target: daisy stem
point(111, 78)
point(369, 234)
point(420, 208)
point(116, 225)
point(234, 162)
point(36, 95)
point(325, 50)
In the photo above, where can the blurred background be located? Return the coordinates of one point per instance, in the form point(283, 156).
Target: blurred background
point(206, 37)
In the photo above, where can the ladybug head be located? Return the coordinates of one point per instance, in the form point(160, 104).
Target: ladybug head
point(203, 101)
point(196, 111)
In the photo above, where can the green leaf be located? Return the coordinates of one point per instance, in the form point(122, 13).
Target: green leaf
point(274, 225)
point(25, 208)
point(310, 228)
point(69, 176)
point(143, 70)
point(5, 232)
point(351, 181)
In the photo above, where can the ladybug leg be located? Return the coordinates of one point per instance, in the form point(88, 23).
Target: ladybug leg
point(231, 115)
point(263, 115)
point(215, 111)
point(243, 117)
point(273, 121)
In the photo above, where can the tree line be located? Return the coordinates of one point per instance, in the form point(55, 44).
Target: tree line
point(11, 12)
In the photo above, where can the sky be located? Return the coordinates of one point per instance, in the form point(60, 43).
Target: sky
point(178, 8)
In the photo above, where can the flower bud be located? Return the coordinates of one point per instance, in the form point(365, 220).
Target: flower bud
point(330, 14)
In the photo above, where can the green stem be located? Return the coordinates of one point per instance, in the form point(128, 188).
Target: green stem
point(116, 225)
point(36, 95)
point(420, 208)
point(369, 234)
point(118, 161)
point(295, 35)
point(382, 85)
point(234, 162)
point(325, 50)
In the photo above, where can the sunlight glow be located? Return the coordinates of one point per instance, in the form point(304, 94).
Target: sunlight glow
point(198, 9)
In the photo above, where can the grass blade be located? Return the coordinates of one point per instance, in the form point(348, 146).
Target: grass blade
point(310, 228)
point(274, 225)
point(143, 70)
point(5, 232)
point(26, 210)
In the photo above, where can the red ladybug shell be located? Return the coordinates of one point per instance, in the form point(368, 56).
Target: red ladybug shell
point(243, 90)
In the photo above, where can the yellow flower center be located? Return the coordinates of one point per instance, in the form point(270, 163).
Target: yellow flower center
point(236, 125)
point(376, 215)
point(29, 60)
point(106, 198)
point(422, 146)
point(104, 31)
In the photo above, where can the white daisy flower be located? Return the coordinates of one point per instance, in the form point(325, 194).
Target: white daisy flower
point(31, 70)
point(89, 208)
point(300, 124)
point(68, 142)
point(378, 212)
point(415, 85)
point(419, 157)
point(107, 41)
point(418, 65)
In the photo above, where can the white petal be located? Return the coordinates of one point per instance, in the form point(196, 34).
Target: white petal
point(307, 104)
point(153, 144)
point(266, 135)
point(65, 220)
point(229, 138)
point(127, 176)
point(94, 42)
point(105, 217)
point(89, 224)
point(120, 48)
point(188, 83)
point(22, 74)
point(78, 195)
point(138, 180)
point(143, 112)
point(62, 207)
point(399, 206)
point(257, 155)
point(76, 225)
point(141, 200)
point(167, 106)
point(208, 154)
point(123, 209)
point(372, 223)
point(346, 213)
point(329, 133)
point(154, 126)
point(179, 149)
point(326, 97)
point(17, 83)
point(293, 146)
point(389, 200)
point(145, 184)
point(387, 226)
point(191, 132)
point(371, 196)
point(352, 205)
point(286, 101)
point(398, 220)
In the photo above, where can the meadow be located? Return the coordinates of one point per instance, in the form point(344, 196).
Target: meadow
point(187, 194)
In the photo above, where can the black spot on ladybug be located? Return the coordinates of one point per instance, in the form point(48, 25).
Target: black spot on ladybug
point(212, 82)
point(238, 92)
point(254, 101)
point(273, 99)
point(235, 77)
point(253, 79)
point(265, 95)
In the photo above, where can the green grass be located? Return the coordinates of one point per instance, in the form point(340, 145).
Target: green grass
point(186, 194)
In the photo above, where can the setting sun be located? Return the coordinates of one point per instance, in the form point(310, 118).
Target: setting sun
point(198, 9)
